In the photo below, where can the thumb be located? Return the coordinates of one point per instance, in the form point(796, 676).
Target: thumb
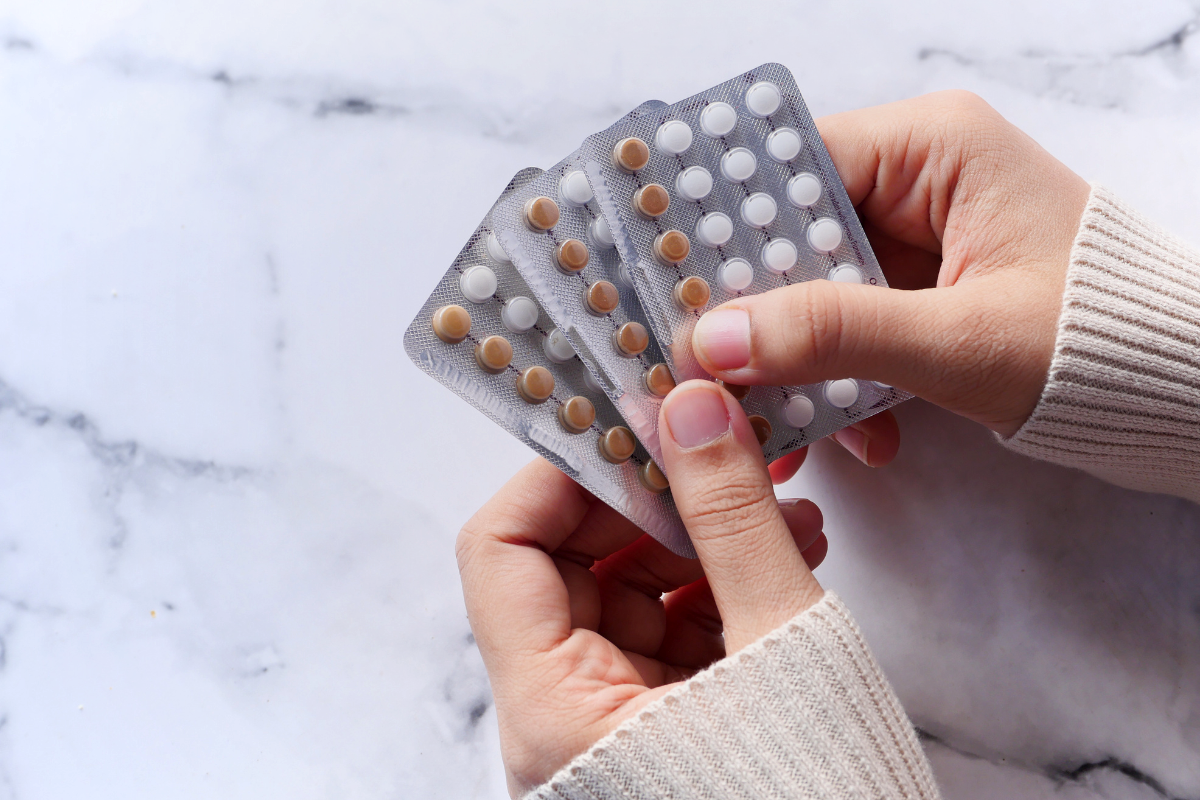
point(723, 491)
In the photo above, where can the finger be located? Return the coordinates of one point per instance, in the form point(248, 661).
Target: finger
point(873, 441)
point(815, 553)
point(693, 627)
point(803, 519)
point(784, 468)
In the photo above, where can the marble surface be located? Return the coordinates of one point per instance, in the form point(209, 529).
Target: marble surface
point(228, 500)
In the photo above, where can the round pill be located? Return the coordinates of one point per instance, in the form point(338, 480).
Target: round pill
point(658, 380)
point(714, 229)
point(573, 188)
point(623, 275)
point(738, 165)
point(601, 298)
point(762, 428)
point(571, 256)
point(735, 275)
point(493, 354)
point(651, 201)
point(694, 183)
point(841, 394)
point(671, 247)
point(451, 324)
point(496, 251)
point(631, 154)
point(804, 189)
point(519, 314)
point(617, 444)
point(589, 380)
point(673, 137)
point(763, 99)
point(577, 414)
point(798, 411)
point(540, 214)
point(691, 293)
point(882, 385)
point(779, 255)
point(477, 283)
point(600, 234)
point(758, 210)
point(535, 385)
point(738, 391)
point(846, 273)
point(631, 339)
point(651, 478)
point(825, 235)
point(557, 348)
point(717, 119)
point(784, 144)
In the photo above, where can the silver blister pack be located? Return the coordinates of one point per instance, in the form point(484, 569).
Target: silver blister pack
point(483, 335)
point(752, 202)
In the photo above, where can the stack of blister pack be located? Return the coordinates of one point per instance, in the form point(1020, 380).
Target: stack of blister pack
point(568, 315)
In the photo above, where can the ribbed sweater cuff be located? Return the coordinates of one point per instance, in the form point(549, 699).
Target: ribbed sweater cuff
point(1122, 399)
point(804, 712)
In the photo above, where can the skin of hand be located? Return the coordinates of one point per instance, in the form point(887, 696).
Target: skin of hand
point(973, 224)
point(582, 620)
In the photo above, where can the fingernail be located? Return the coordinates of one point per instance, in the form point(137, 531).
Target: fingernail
point(789, 502)
point(853, 441)
point(696, 416)
point(722, 338)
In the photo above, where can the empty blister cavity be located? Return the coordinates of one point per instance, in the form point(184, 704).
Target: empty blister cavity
point(779, 255)
point(478, 283)
point(846, 273)
point(718, 120)
point(573, 188)
point(842, 393)
point(759, 210)
point(738, 165)
point(763, 99)
point(673, 137)
point(825, 235)
point(804, 190)
point(519, 314)
point(735, 275)
point(798, 411)
point(714, 229)
point(694, 183)
point(784, 144)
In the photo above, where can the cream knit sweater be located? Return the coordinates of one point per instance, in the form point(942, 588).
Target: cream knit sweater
point(806, 712)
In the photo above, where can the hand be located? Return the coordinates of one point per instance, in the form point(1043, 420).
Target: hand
point(582, 620)
point(952, 196)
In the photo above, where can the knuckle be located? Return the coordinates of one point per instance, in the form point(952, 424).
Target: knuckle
point(817, 321)
point(730, 505)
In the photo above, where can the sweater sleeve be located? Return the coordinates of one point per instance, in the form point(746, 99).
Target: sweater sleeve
point(804, 712)
point(1122, 400)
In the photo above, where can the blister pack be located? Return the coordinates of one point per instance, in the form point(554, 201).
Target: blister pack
point(482, 334)
point(731, 192)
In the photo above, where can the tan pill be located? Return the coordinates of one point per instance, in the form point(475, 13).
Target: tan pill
point(651, 201)
point(738, 392)
point(691, 293)
point(762, 428)
point(577, 414)
point(671, 247)
point(541, 214)
point(535, 385)
point(652, 478)
point(451, 324)
point(617, 444)
point(631, 339)
point(601, 298)
point(571, 256)
point(631, 154)
point(494, 354)
point(659, 380)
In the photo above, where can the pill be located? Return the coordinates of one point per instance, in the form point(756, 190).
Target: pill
point(779, 255)
point(496, 251)
point(658, 380)
point(577, 414)
point(691, 293)
point(784, 144)
point(738, 391)
point(601, 298)
point(825, 235)
point(841, 394)
point(451, 324)
point(631, 339)
point(600, 234)
point(717, 119)
point(617, 444)
point(557, 348)
point(694, 183)
point(573, 188)
point(714, 229)
point(571, 256)
point(623, 275)
point(738, 165)
point(846, 273)
point(540, 214)
point(493, 354)
point(798, 411)
point(804, 189)
point(651, 478)
point(762, 428)
point(673, 137)
point(758, 210)
point(671, 247)
point(477, 283)
point(535, 385)
point(631, 154)
point(589, 380)
point(519, 314)
point(735, 275)
point(882, 385)
point(651, 201)
point(763, 99)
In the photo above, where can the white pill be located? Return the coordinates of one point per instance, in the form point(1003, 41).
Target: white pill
point(758, 210)
point(798, 411)
point(519, 314)
point(841, 394)
point(804, 189)
point(735, 275)
point(589, 380)
point(600, 234)
point(779, 255)
point(623, 275)
point(714, 229)
point(718, 119)
point(846, 273)
point(784, 144)
point(694, 183)
point(738, 165)
point(496, 251)
point(882, 385)
point(825, 235)
point(557, 348)
point(673, 137)
point(763, 99)
point(573, 188)
point(477, 283)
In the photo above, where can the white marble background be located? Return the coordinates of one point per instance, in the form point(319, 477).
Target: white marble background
point(228, 501)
